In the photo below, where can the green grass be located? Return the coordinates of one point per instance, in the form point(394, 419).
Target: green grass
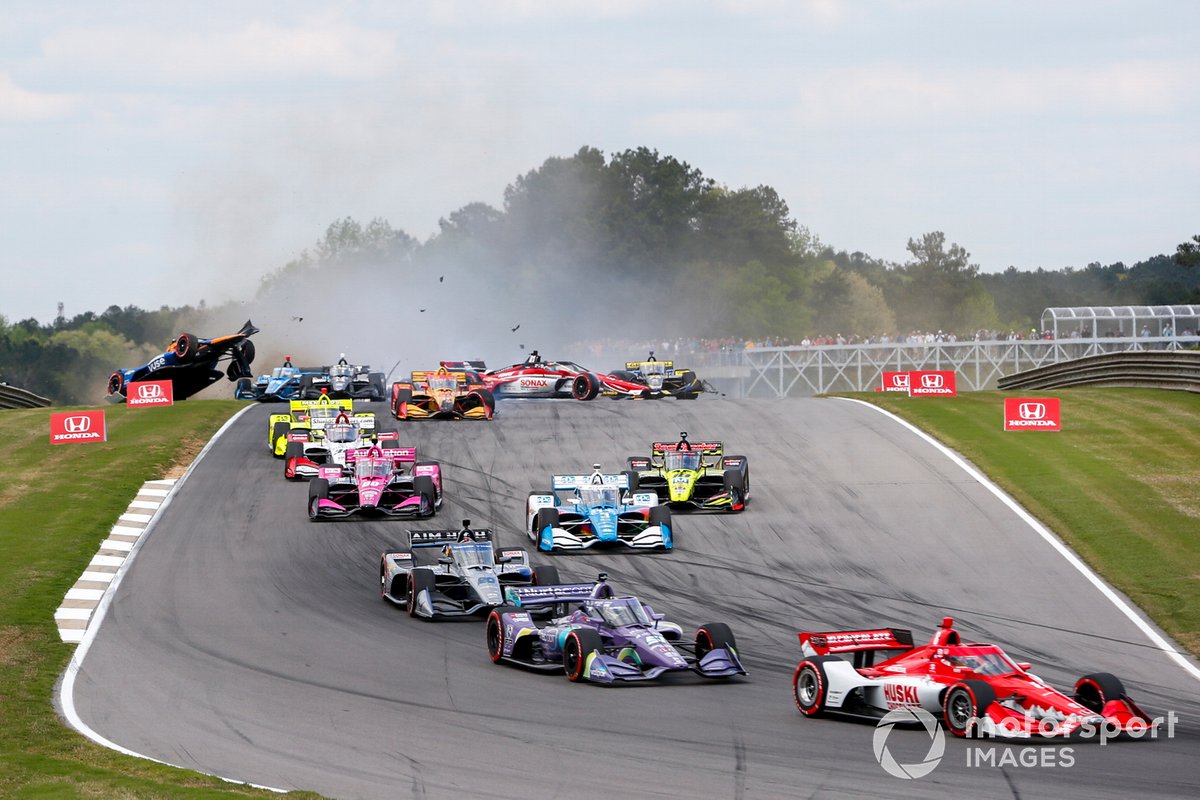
point(1120, 483)
point(57, 503)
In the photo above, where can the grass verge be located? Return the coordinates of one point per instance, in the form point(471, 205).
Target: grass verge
point(1120, 483)
point(57, 503)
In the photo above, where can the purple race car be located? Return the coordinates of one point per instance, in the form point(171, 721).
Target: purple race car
point(605, 638)
point(379, 481)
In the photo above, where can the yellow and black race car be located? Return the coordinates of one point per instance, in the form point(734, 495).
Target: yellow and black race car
point(692, 475)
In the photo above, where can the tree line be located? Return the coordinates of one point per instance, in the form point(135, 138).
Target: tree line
point(638, 240)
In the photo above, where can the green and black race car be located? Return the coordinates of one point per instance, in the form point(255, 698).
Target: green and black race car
point(692, 475)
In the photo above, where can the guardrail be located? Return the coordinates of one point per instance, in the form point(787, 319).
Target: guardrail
point(1179, 369)
point(14, 397)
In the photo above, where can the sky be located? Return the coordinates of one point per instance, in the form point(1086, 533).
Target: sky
point(162, 153)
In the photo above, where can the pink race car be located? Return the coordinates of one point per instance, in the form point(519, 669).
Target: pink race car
point(975, 688)
point(376, 481)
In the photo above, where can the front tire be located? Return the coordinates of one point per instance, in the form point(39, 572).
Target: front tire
point(419, 580)
point(116, 384)
point(318, 489)
point(185, 347)
point(714, 636)
point(1094, 691)
point(580, 642)
point(495, 632)
point(423, 486)
point(966, 702)
point(545, 518)
point(278, 430)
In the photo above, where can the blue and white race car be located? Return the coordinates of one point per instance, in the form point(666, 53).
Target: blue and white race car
point(599, 510)
point(283, 383)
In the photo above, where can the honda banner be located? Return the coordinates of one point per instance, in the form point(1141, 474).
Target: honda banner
point(932, 383)
point(895, 382)
point(150, 393)
point(77, 427)
point(1032, 414)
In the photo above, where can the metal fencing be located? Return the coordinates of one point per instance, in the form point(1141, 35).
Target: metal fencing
point(13, 397)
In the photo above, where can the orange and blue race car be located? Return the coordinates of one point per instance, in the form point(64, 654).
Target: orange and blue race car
point(191, 364)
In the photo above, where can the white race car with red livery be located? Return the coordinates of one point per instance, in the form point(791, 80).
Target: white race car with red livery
point(975, 688)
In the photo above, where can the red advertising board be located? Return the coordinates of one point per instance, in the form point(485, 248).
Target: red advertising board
point(895, 382)
point(77, 427)
point(932, 383)
point(1032, 414)
point(150, 393)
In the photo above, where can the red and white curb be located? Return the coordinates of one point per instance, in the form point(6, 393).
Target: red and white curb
point(75, 613)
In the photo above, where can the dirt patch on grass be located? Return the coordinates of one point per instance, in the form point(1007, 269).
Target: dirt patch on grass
point(13, 649)
point(189, 448)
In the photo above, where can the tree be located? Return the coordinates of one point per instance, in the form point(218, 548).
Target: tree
point(940, 289)
point(1188, 253)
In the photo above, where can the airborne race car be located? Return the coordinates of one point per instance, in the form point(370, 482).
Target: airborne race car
point(605, 638)
point(601, 511)
point(307, 451)
point(443, 394)
point(652, 379)
point(693, 475)
point(975, 688)
point(190, 364)
point(374, 482)
point(462, 577)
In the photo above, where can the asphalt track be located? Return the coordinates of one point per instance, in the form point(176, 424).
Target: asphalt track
point(247, 642)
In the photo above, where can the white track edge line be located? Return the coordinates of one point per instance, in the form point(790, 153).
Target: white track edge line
point(1049, 536)
point(66, 694)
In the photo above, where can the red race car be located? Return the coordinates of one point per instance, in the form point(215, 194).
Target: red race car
point(975, 688)
point(537, 377)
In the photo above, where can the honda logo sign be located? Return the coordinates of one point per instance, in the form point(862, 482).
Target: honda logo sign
point(1032, 414)
point(150, 393)
point(895, 382)
point(77, 427)
point(932, 383)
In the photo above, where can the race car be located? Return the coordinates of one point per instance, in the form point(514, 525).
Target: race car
point(975, 688)
point(442, 394)
point(603, 638)
point(311, 417)
point(190, 364)
point(601, 510)
point(308, 449)
point(283, 383)
point(376, 481)
point(652, 379)
point(344, 379)
point(692, 475)
point(454, 573)
point(536, 377)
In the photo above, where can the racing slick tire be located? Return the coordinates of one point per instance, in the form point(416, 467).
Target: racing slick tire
point(318, 489)
point(714, 636)
point(243, 389)
point(419, 580)
point(400, 394)
point(546, 576)
point(966, 701)
point(185, 347)
point(495, 632)
point(737, 483)
point(545, 518)
point(279, 429)
point(1093, 691)
point(579, 643)
point(633, 480)
point(294, 450)
point(423, 486)
point(306, 390)
point(690, 387)
point(116, 383)
point(660, 515)
point(248, 351)
point(585, 387)
point(488, 399)
point(810, 686)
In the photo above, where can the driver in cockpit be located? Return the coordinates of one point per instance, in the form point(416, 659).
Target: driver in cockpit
point(533, 359)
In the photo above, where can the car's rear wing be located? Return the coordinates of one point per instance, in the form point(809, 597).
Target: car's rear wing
point(398, 454)
point(431, 538)
point(550, 595)
point(344, 403)
point(424, 376)
point(668, 366)
point(833, 642)
point(474, 364)
point(704, 448)
point(619, 480)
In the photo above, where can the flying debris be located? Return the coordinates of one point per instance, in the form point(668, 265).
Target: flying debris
point(422, 311)
point(441, 278)
point(515, 329)
point(298, 319)
point(522, 347)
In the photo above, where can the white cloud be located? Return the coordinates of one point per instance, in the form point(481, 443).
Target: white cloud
point(317, 48)
point(22, 105)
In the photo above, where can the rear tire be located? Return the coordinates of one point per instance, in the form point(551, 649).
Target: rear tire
point(116, 384)
point(546, 576)
point(810, 687)
point(966, 701)
point(633, 480)
point(580, 642)
point(185, 347)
